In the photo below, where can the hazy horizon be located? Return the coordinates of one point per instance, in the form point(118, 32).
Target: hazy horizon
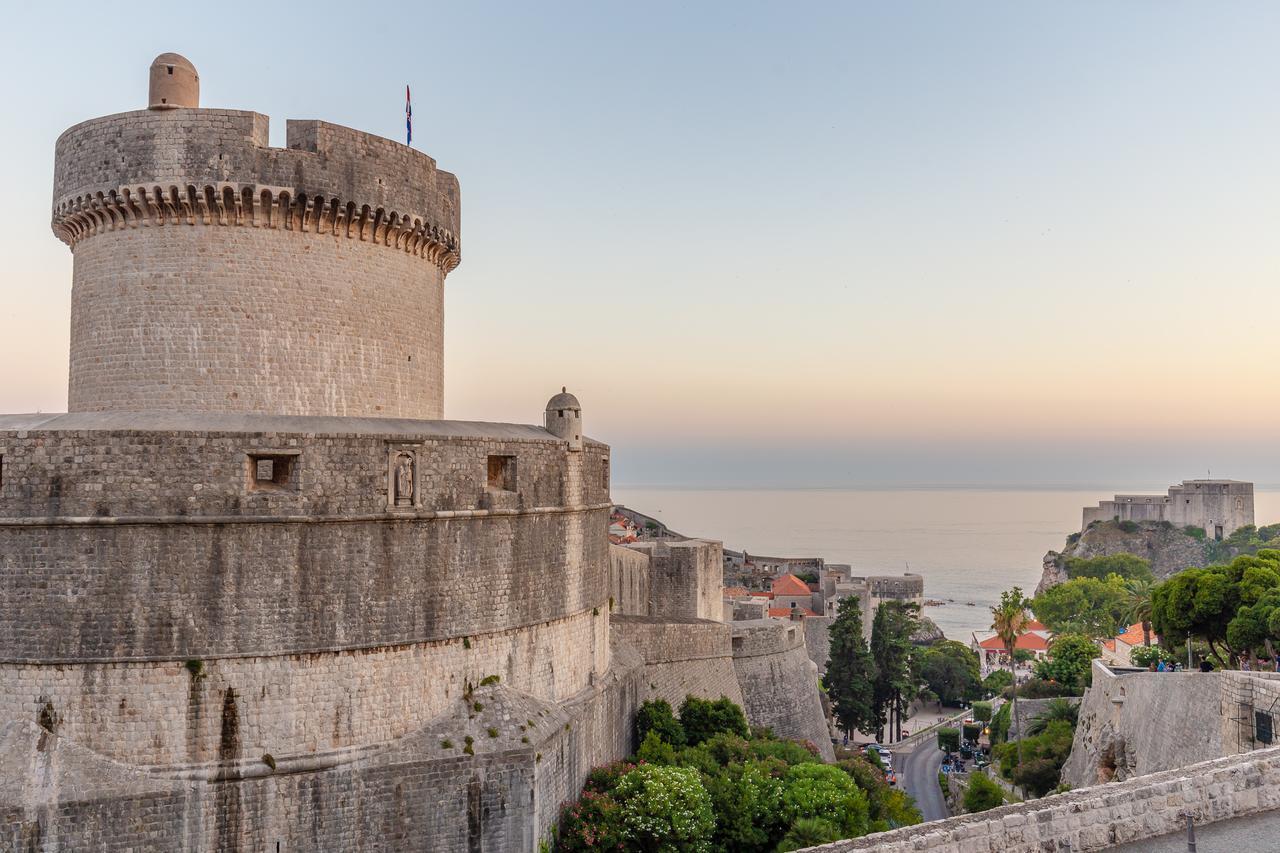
point(821, 245)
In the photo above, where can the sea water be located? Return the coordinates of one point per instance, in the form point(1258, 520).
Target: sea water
point(969, 543)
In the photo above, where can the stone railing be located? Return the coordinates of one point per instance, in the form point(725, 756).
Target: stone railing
point(1101, 816)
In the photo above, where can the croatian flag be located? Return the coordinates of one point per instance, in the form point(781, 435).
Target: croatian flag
point(408, 118)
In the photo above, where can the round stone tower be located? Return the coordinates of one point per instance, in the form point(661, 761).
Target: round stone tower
point(564, 418)
point(214, 273)
point(174, 83)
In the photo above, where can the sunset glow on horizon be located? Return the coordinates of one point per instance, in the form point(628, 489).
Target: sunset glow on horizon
point(922, 242)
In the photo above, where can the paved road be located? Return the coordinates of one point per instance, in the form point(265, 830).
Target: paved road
point(918, 776)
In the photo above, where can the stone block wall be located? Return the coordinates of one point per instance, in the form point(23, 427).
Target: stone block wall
point(1134, 723)
point(421, 792)
point(683, 657)
point(779, 682)
point(1098, 817)
point(306, 280)
point(686, 578)
point(629, 581)
point(153, 589)
point(817, 640)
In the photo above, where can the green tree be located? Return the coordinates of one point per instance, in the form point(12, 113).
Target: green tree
point(825, 791)
point(1138, 605)
point(887, 808)
point(704, 718)
point(997, 681)
point(1009, 621)
point(665, 809)
point(891, 648)
point(948, 738)
point(1057, 709)
point(1203, 603)
point(1070, 662)
point(1127, 566)
point(809, 832)
point(1096, 608)
point(950, 669)
point(746, 800)
point(982, 712)
point(656, 715)
point(982, 794)
point(851, 672)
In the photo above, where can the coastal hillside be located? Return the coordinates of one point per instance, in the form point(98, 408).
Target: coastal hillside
point(1169, 549)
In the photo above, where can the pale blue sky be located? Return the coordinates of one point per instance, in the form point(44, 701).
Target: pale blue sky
point(805, 244)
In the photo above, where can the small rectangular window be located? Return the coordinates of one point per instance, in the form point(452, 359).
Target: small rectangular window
point(502, 473)
point(604, 473)
point(272, 472)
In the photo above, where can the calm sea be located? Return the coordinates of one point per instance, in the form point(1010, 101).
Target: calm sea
point(969, 543)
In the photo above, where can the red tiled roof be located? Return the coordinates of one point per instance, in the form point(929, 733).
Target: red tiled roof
point(1109, 645)
point(1030, 642)
point(1035, 625)
point(1133, 635)
point(736, 591)
point(780, 612)
point(790, 585)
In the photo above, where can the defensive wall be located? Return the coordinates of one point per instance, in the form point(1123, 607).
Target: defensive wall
point(165, 207)
point(1097, 817)
point(1136, 722)
point(1217, 506)
point(490, 775)
point(129, 556)
point(779, 682)
point(682, 657)
point(253, 598)
point(686, 577)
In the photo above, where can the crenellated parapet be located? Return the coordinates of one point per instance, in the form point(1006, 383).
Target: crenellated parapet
point(304, 280)
point(214, 167)
point(253, 206)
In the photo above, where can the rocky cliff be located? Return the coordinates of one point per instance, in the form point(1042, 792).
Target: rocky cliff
point(1170, 549)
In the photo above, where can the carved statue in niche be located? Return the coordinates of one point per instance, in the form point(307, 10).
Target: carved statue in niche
point(404, 480)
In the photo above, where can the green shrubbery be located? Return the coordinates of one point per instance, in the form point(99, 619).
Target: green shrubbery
point(982, 794)
point(703, 782)
point(1042, 758)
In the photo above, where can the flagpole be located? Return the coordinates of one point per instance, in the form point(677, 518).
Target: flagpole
point(408, 117)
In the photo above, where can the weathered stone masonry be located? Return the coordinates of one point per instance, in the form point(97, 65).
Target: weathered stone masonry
point(251, 599)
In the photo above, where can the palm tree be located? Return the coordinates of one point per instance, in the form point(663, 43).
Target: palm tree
point(1056, 709)
point(1139, 606)
point(1009, 621)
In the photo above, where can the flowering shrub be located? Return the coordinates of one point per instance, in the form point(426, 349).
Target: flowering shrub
point(665, 809)
point(594, 822)
point(827, 792)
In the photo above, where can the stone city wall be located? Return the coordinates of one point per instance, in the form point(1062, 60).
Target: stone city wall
point(686, 578)
point(1097, 817)
point(1134, 723)
point(174, 712)
point(629, 581)
point(817, 640)
point(204, 256)
point(683, 657)
point(779, 682)
point(421, 792)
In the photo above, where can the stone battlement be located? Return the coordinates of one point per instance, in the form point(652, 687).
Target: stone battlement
point(214, 167)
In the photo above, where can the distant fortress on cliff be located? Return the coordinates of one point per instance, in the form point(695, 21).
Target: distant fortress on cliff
point(1220, 507)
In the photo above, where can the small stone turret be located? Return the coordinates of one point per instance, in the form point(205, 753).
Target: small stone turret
point(174, 83)
point(564, 418)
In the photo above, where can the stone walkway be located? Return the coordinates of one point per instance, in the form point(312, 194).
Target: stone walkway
point(1254, 834)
